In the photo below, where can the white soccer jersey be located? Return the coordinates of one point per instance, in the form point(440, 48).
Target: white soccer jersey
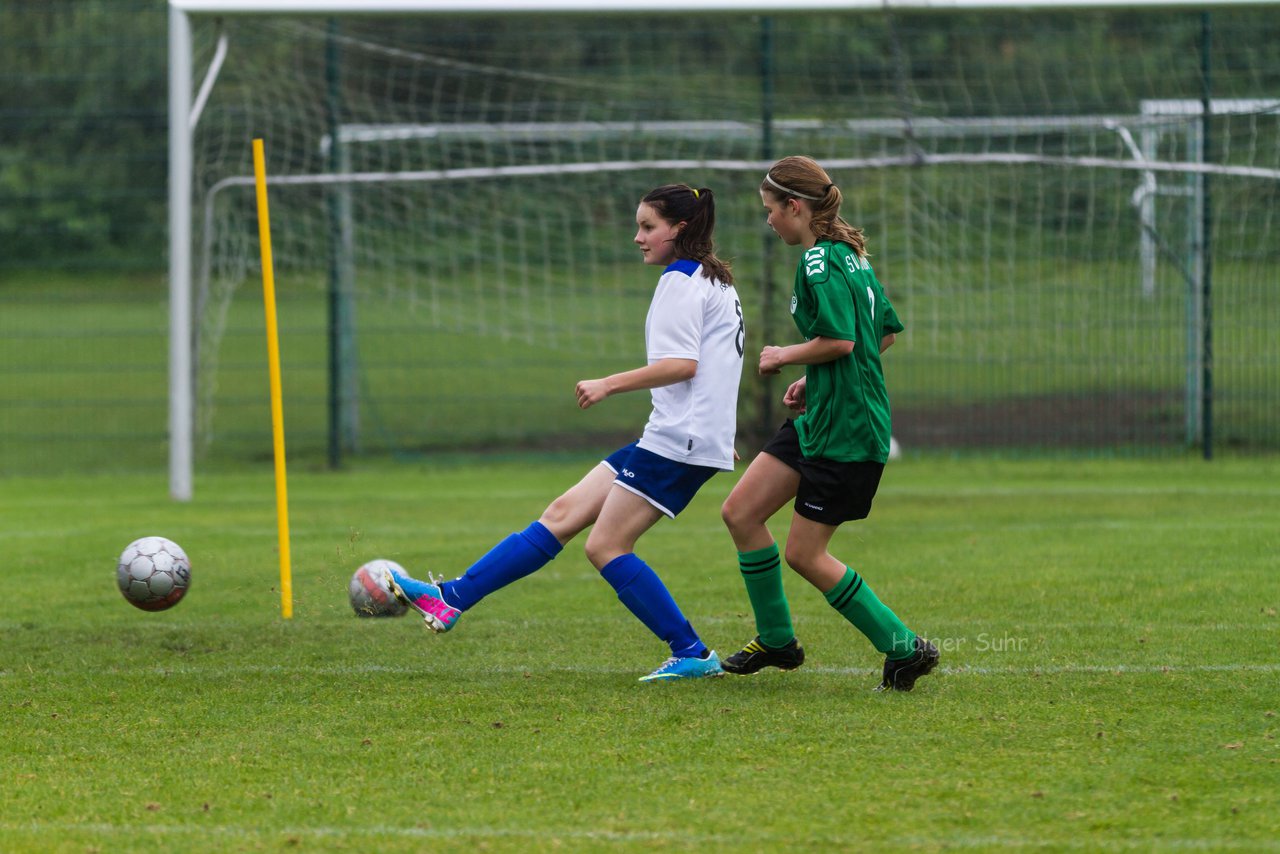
point(694, 317)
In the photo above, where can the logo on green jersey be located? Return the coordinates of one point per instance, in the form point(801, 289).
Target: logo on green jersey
point(815, 261)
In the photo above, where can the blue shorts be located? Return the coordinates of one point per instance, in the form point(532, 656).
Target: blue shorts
point(666, 484)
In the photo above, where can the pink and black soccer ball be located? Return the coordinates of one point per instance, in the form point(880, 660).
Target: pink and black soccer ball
point(369, 598)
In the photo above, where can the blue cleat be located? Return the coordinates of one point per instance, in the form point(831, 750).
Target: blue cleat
point(686, 668)
point(424, 597)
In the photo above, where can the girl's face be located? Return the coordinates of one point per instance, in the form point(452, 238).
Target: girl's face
point(655, 236)
point(789, 218)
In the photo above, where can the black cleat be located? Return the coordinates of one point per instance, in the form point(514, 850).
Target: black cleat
point(901, 674)
point(756, 656)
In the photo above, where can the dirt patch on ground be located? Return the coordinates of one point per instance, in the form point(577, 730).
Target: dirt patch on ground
point(1107, 419)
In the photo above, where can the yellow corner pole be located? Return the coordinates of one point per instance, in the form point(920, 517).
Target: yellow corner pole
point(273, 363)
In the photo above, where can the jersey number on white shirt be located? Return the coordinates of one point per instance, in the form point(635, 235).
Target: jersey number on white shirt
point(742, 327)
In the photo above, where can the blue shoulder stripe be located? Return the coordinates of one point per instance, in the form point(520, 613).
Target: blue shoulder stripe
point(683, 265)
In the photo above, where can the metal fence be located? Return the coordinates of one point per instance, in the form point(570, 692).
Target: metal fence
point(1077, 271)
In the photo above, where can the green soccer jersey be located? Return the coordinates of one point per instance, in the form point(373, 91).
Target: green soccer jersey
point(847, 406)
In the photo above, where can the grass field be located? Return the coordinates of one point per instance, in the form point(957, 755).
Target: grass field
point(1109, 632)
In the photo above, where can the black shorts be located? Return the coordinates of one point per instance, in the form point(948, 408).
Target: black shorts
point(830, 491)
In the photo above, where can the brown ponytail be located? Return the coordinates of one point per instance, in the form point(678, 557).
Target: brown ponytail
point(799, 177)
point(696, 208)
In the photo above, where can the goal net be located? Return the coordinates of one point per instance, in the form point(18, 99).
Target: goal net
point(452, 202)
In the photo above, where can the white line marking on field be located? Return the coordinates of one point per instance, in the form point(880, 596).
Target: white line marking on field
point(1084, 489)
point(942, 628)
point(545, 667)
point(374, 830)
point(1110, 668)
point(681, 836)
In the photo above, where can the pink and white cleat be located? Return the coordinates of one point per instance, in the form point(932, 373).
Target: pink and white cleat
point(424, 597)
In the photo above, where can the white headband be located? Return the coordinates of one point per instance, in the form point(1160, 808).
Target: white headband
point(789, 191)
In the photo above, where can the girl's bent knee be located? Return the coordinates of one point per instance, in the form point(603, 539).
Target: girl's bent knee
point(737, 518)
point(798, 560)
point(599, 553)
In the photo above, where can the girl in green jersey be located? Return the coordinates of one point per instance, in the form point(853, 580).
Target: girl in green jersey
point(829, 459)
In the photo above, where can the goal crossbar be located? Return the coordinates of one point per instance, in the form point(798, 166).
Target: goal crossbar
point(593, 7)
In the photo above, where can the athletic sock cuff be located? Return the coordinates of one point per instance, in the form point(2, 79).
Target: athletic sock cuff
point(846, 588)
point(542, 539)
point(759, 555)
point(759, 560)
point(620, 571)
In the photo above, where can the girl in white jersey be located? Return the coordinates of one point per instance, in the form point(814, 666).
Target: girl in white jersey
point(694, 339)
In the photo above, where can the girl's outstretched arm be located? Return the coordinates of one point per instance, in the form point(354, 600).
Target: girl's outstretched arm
point(815, 351)
point(660, 373)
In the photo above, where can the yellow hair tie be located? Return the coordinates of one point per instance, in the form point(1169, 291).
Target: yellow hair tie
point(695, 192)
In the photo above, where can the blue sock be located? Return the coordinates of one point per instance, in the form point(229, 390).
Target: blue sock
point(644, 594)
point(510, 560)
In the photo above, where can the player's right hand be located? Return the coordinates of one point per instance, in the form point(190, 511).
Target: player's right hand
point(770, 360)
point(591, 392)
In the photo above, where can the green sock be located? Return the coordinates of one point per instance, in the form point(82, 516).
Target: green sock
point(762, 572)
point(858, 604)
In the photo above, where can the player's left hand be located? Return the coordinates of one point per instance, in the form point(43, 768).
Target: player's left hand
point(794, 398)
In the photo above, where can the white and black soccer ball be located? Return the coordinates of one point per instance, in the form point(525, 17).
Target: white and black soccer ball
point(153, 573)
point(369, 598)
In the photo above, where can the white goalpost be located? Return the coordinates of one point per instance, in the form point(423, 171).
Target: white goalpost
point(437, 190)
point(1159, 118)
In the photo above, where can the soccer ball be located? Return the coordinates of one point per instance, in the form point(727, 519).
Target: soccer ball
point(153, 573)
point(368, 597)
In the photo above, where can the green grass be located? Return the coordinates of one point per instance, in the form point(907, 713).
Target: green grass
point(1109, 631)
